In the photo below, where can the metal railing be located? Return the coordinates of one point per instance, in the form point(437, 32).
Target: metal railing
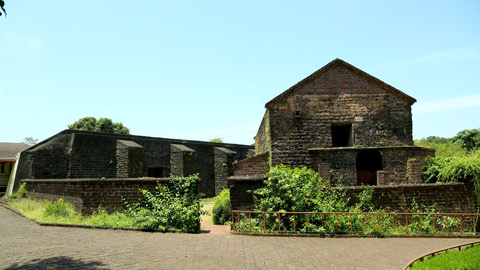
point(433, 253)
point(355, 223)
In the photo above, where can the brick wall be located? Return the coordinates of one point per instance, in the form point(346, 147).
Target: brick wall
point(89, 195)
point(254, 166)
point(452, 197)
point(400, 165)
point(82, 154)
point(240, 199)
point(223, 167)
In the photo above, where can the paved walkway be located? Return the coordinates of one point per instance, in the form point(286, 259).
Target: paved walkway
point(24, 245)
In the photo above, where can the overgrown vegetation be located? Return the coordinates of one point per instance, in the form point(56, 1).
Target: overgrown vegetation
point(100, 125)
point(221, 213)
point(456, 159)
point(175, 206)
point(302, 190)
point(171, 207)
point(453, 259)
point(21, 193)
point(60, 211)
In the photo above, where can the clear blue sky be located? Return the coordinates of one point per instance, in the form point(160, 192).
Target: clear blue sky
point(205, 69)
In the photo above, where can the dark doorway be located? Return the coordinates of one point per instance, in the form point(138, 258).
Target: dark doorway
point(342, 135)
point(368, 163)
point(156, 171)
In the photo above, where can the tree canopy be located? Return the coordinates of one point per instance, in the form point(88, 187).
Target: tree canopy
point(100, 125)
point(468, 139)
point(217, 140)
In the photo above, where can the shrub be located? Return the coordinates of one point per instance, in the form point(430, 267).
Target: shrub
point(298, 190)
point(22, 191)
point(175, 206)
point(221, 210)
point(60, 208)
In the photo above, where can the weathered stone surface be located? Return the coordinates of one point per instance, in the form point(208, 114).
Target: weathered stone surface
point(83, 154)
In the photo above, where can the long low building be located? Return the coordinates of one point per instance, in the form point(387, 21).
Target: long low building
point(73, 154)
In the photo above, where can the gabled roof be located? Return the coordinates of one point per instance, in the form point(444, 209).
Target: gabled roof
point(339, 62)
point(9, 150)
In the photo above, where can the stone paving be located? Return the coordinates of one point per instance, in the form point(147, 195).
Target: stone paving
point(24, 245)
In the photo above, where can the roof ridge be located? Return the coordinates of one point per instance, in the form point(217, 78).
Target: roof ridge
point(338, 61)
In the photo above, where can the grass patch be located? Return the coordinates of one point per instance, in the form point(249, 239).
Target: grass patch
point(62, 212)
point(468, 258)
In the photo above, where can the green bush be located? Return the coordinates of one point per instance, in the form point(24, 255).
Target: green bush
point(221, 212)
point(60, 208)
point(175, 206)
point(21, 193)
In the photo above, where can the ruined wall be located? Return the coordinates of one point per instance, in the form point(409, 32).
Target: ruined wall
point(303, 120)
point(90, 195)
point(182, 160)
point(224, 159)
point(83, 154)
point(254, 166)
point(401, 165)
point(450, 198)
point(262, 139)
point(240, 198)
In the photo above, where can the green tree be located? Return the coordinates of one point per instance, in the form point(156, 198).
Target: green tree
point(468, 139)
point(217, 140)
point(444, 147)
point(100, 125)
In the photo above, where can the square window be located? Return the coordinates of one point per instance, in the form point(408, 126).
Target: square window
point(342, 135)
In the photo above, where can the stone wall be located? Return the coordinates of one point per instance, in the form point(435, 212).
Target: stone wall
point(182, 160)
point(89, 195)
point(83, 154)
point(254, 166)
point(400, 165)
point(223, 167)
point(240, 199)
point(262, 139)
point(451, 198)
point(303, 119)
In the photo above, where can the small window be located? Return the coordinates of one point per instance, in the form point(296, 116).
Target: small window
point(342, 135)
point(156, 171)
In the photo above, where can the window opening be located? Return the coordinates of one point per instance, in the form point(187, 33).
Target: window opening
point(342, 135)
point(368, 162)
point(156, 171)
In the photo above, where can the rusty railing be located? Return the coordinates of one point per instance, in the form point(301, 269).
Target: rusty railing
point(443, 250)
point(355, 223)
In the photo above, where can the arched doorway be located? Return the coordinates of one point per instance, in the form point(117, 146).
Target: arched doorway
point(368, 162)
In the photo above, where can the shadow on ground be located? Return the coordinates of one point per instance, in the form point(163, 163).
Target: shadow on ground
point(59, 262)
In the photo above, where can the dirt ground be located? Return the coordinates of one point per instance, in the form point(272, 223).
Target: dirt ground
point(207, 225)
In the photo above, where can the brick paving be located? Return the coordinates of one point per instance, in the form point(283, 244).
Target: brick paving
point(24, 245)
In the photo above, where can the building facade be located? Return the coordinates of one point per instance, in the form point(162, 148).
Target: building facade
point(345, 124)
point(74, 154)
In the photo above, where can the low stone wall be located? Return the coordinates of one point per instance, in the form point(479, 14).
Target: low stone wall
point(254, 166)
point(89, 195)
point(451, 197)
point(240, 199)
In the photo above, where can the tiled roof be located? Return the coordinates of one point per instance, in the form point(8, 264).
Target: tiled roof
point(9, 150)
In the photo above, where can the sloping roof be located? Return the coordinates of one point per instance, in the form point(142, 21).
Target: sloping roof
point(9, 150)
point(410, 100)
